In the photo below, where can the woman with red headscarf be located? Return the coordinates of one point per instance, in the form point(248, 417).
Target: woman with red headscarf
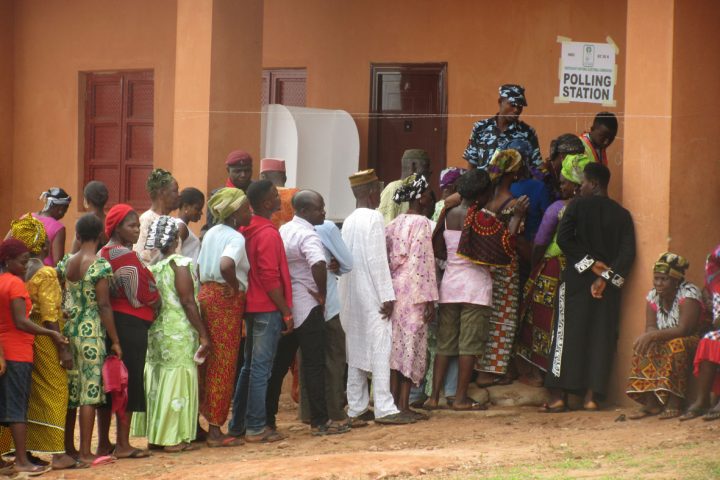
point(17, 335)
point(133, 297)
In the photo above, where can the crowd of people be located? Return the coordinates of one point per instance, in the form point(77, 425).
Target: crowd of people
point(515, 273)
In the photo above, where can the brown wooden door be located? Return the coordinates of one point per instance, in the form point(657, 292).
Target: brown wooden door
point(119, 134)
point(408, 105)
point(285, 86)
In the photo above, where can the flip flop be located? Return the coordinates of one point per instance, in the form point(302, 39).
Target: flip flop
point(136, 453)
point(103, 460)
point(546, 408)
point(268, 436)
point(356, 422)
point(225, 442)
point(642, 413)
point(711, 415)
point(36, 472)
point(75, 466)
point(473, 407)
point(430, 408)
point(670, 413)
point(692, 413)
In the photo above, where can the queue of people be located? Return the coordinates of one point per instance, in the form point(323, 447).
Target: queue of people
point(516, 273)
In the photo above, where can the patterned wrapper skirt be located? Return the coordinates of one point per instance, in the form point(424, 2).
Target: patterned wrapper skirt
point(505, 299)
point(537, 314)
point(709, 350)
point(223, 317)
point(662, 371)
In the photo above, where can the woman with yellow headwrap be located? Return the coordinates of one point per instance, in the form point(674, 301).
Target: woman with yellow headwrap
point(537, 315)
point(663, 353)
point(223, 266)
point(48, 402)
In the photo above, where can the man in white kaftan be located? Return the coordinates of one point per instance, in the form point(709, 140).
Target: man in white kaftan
point(365, 292)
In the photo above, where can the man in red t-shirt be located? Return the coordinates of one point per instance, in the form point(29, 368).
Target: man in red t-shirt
point(267, 316)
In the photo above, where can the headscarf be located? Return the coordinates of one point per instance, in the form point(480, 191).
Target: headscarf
point(515, 94)
point(671, 264)
point(158, 179)
point(225, 202)
point(413, 191)
point(55, 196)
point(503, 162)
point(11, 248)
point(115, 217)
point(31, 232)
point(523, 147)
point(450, 176)
point(573, 167)
point(162, 232)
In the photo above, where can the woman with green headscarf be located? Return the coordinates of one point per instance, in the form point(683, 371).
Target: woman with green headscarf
point(537, 315)
point(223, 266)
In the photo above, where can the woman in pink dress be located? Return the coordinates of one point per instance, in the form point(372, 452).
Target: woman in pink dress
point(57, 202)
point(412, 267)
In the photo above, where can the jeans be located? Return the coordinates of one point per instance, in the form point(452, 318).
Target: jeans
point(310, 337)
point(263, 333)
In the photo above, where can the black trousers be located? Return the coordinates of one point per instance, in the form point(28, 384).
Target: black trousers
point(310, 338)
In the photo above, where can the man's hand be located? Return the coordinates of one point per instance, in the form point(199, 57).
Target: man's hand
point(231, 290)
point(453, 201)
point(3, 365)
point(316, 295)
point(289, 325)
point(333, 266)
point(66, 360)
point(387, 309)
point(598, 287)
point(205, 346)
point(58, 338)
point(599, 268)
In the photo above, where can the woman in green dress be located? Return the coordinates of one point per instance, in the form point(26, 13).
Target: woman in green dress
point(171, 379)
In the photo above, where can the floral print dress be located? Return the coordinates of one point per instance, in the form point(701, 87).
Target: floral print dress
point(86, 334)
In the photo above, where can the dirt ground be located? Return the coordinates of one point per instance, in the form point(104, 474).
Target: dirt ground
point(500, 443)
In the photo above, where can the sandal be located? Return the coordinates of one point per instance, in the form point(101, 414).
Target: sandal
point(472, 407)
point(356, 422)
point(418, 415)
point(692, 413)
point(268, 436)
point(227, 441)
point(547, 408)
point(330, 428)
point(136, 453)
point(643, 413)
point(670, 413)
point(711, 415)
point(102, 460)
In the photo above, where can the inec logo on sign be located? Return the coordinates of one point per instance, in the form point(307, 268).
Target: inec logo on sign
point(588, 55)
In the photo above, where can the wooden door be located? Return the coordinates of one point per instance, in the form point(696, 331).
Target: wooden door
point(285, 86)
point(119, 134)
point(408, 105)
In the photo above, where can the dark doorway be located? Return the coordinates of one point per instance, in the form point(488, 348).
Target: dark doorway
point(408, 106)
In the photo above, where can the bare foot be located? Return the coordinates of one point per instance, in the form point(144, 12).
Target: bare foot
point(62, 461)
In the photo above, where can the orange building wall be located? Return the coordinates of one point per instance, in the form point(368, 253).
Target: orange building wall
point(695, 172)
point(54, 41)
point(6, 111)
point(337, 42)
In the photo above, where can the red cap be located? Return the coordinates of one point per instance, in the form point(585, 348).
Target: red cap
point(238, 157)
point(272, 165)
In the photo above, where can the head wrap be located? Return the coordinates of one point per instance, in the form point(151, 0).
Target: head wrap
point(31, 232)
point(503, 162)
point(115, 217)
point(272, 165)
point(162, 232)
point(515, 94)
point(671, 264)
point(523, 147)
point(158, 179)
point(415, 154)
point(363, 177)
point(238, 157)
point(413, 191)
point(573, 167)
point(566, 144)
point(450, 176)
point(225, 202)
point(55, 196)
point(11, 248)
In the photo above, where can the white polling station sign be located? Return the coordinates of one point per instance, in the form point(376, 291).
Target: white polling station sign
point(587, 72)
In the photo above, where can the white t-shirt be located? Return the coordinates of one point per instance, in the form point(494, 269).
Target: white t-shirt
point(223, 241)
